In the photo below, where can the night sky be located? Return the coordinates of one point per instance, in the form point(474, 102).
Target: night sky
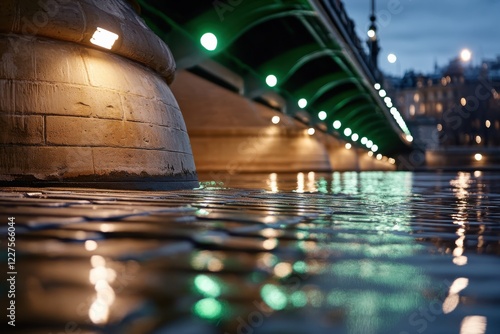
point(421, 32)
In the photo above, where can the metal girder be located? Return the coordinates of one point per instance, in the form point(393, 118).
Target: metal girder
point(348, 110)
point(250, 15)
point(364, 113)
point(290, 61)
point(342, 91)
point(340, 100)
point(322, 85)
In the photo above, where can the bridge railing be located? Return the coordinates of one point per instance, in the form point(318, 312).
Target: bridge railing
point(337, 12)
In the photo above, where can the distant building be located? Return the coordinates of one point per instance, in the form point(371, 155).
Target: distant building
point(456, 105)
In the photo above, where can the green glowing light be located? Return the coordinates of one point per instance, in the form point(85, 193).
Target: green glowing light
point(209, 41)
point(207, 286)
point(273, 297)
point(208, 308)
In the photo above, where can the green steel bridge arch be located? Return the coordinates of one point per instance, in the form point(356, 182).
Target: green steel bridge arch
point(298, 43)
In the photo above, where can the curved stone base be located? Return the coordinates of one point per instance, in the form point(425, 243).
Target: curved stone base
point(69, 113)
point(125, 182)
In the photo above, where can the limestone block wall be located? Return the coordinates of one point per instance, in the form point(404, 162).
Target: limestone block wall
point(75, 114)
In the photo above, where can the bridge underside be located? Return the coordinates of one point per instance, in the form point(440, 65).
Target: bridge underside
point(231, 134)
point(260, 58)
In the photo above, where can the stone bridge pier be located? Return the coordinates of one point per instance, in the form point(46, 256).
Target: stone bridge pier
point(85, 98)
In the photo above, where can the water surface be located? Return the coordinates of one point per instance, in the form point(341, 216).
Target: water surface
point(369, 252)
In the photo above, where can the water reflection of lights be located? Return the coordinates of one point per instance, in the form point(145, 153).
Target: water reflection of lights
point(101, 277)
point(300, 267)
point(270, 220)
point(90, 245)
point(336, 183)
point(307, 246)
point(207, 286)
point(283, 269)
point(267, 260)
point(315, 297)
point(298, 299)
point(270, 233)
point(210, 288)
point(270, 244)
point(311, 182)
point(458, 258)
point(300, 182)
point(323, 185)
point(461, 186)
point(208, 308)
point(453, 298)
point(274, 297)
point(207, 260)
point(378, 248)
point(350, 183)
point(106, 228)
point(474, 324)
point(273, 182)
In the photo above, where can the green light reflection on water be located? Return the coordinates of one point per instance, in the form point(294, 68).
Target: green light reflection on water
point(322, 186)
point(207, 286)
point(208, 308)
point(300, 267)
point(274, 297)
point(361, 268)
point(298, 299)
point(370, 277)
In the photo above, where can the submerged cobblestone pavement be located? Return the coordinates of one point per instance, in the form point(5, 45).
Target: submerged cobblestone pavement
point(338, 253)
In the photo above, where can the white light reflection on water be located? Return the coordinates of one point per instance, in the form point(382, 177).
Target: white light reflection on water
point(300, 182)
point(453, 298)
point(311, 182)
point(101, 277)
point(272, 183)
point(461, 185)
point(474, 324)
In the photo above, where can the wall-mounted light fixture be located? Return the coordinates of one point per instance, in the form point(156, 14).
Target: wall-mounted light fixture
point(104, 38)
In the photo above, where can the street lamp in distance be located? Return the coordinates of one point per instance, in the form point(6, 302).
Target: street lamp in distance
point(465, 55)
point(392, 58)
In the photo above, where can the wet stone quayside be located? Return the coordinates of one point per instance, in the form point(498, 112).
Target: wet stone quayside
point(338, 253)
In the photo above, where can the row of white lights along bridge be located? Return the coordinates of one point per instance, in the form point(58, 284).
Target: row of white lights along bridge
point(209, 42)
